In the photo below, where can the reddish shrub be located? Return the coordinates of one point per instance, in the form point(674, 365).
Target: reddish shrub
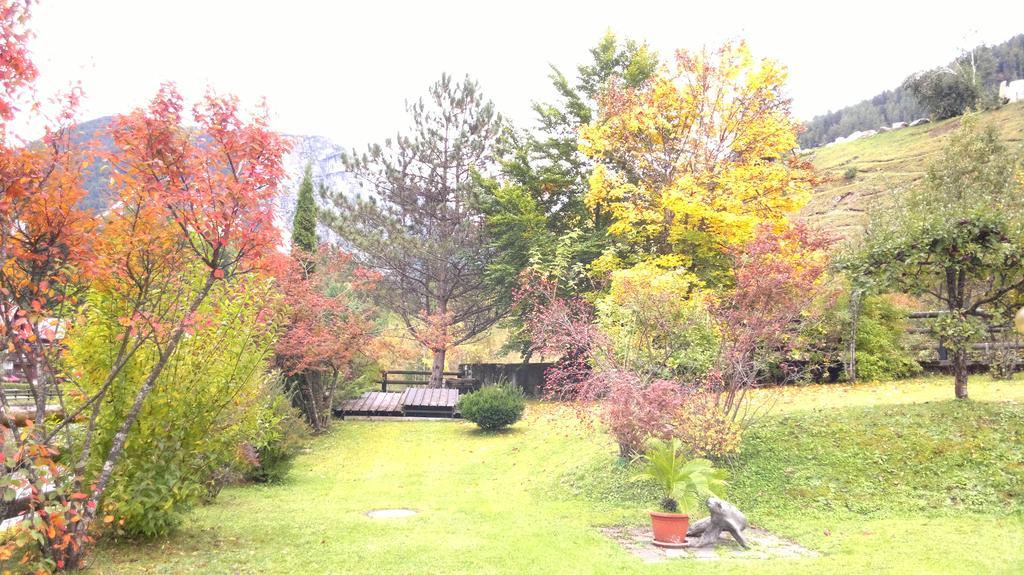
point(634, 413)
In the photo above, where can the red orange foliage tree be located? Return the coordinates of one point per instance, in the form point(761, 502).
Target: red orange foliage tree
point(778, 275)
point(189, 201)
point(328, 323)
point(44, 245)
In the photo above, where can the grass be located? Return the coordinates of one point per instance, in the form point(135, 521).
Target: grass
point(881, 478)
point(883, 164)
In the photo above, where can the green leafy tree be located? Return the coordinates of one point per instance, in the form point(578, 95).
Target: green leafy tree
point(944, 92)
point(968, 83)
point(958, 239)
point(538, 205)
point(304, 224)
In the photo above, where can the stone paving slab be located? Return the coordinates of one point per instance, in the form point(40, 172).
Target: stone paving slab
point(763, 545)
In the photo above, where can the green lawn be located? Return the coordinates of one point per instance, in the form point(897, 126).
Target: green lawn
point(883, 478)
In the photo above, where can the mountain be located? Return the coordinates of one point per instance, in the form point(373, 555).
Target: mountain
point(865, 173)
point(994, 63)
point(323, 154)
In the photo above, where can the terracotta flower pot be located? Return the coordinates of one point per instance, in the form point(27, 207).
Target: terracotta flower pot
point(669, 528)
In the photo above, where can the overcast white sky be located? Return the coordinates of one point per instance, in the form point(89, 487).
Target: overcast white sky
point(344, 70)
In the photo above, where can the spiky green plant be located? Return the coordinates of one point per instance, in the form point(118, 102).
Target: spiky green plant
point(683, 483)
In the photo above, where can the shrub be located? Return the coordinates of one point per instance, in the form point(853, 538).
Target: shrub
point(275, 453)
point(494, 406)
point(208, 401)
point(705, 430)
point(882, 352)
point(850, 173)
point(667, 410)
point(635, 413)
point(657, 323)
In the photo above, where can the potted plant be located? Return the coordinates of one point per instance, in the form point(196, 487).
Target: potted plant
point(683, 484)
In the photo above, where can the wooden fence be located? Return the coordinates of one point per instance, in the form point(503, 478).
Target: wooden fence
point(398, 380)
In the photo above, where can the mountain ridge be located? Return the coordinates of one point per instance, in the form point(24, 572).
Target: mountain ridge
point(1004, 61)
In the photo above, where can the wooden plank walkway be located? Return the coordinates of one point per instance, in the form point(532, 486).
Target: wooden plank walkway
point(374, 403)
point(429, 402)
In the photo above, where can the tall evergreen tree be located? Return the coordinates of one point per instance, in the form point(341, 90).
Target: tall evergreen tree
point(421, 228)
point(304, 224)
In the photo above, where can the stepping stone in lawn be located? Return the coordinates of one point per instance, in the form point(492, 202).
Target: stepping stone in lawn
point(390, 513)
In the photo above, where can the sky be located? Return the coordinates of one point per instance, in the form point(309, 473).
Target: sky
point(344, 70)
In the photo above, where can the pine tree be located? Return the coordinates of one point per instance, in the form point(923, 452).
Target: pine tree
point(421, 229)
point(304, 224)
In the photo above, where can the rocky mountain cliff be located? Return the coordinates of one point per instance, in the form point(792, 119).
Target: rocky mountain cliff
point(325, 158)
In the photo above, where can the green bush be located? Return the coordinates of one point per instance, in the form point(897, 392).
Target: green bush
point(494, 406)
point(883, 346)
point(208, 402)
point(882, 352)
point(657, 325)
point(286, 436)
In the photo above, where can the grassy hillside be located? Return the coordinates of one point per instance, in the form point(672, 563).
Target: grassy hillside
point(865, 173)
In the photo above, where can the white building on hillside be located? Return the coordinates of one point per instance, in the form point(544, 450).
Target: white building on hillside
point(1012, 91)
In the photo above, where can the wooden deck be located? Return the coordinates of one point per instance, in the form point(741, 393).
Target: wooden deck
point(430, 402)
point(374, 403)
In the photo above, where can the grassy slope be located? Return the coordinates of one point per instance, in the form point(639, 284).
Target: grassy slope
point(914, 484)
point(886, 163)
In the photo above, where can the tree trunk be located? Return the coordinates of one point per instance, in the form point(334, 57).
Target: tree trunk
point(956, 292)
point(437, 371)
point(960, 373)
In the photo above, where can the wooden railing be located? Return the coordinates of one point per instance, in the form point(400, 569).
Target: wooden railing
point(420, 378)
point(19, 393)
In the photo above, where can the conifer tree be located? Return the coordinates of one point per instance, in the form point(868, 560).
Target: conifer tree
point(420, 227)
point(304, 224)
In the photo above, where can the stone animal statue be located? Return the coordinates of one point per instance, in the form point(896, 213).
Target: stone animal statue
point(724, 517)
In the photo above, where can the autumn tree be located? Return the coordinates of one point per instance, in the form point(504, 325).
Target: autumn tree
point(419, 226)
point(43, 236)
point(956, 240)
point(328, 322)
point(693, 161)
point(192, 204)
point(304, 223)
point(777, 276)
point(45, 243)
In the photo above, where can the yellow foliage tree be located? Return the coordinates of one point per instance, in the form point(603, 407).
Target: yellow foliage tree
point(693, 161)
